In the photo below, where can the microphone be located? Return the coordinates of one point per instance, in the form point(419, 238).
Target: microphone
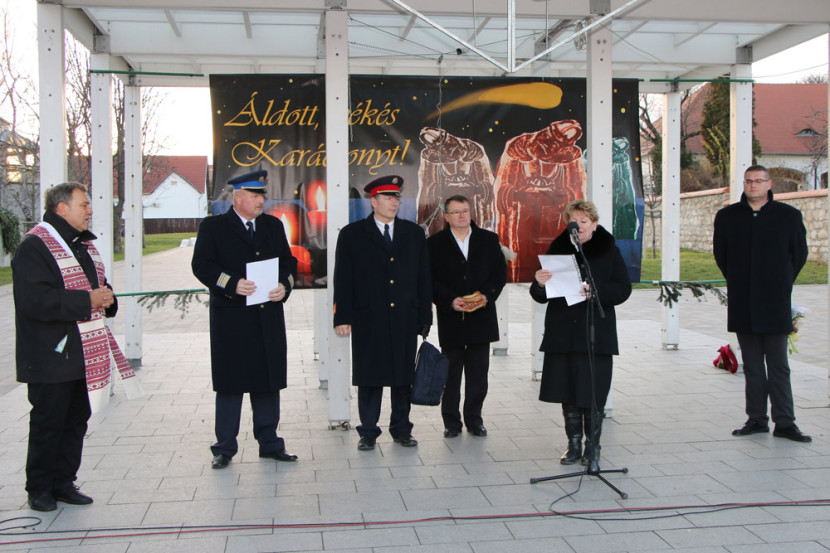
point(573, 228)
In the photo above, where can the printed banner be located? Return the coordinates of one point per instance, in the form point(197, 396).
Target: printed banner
point(515, 147)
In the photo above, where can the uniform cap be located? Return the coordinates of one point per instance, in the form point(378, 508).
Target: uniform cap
point(255, 181)
point(390, 185)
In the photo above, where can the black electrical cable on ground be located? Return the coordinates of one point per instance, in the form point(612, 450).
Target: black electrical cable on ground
point(586, 514)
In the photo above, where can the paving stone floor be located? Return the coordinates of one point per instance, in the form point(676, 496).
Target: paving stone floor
point(147, 462)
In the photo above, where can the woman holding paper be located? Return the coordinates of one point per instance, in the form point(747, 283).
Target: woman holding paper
point(570, 376)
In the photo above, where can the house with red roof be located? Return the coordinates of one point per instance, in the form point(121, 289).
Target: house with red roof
point(174, 187)
point(791, 128)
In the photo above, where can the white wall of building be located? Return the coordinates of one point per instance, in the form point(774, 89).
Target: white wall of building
point(812, 175)
point(175, 198)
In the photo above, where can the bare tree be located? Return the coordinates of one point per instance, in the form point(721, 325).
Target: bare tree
point(653, 203)
point(652, 134)
point(815, 135)
point(79, 127)
point(78, 122)
point(151, 144)
point(19, 166)
point(814, 78)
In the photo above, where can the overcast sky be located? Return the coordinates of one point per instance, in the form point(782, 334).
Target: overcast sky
point(185, 115)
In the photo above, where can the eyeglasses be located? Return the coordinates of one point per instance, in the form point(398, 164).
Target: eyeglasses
point(755, 181)
point(460, 211)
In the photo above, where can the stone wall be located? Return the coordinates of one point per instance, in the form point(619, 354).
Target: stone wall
point(697, 216)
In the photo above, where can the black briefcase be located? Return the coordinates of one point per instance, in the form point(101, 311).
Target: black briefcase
point(431, 368)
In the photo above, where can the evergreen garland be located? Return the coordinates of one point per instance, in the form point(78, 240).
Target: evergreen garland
point(670, 291)
point(184, 298)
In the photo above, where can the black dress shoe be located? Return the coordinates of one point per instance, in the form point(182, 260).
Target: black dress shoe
point(751, 427)
point(220, 461)
point(366, 443)
point(406, 440)
point(450, 433)
point(71, 495)
point(477, 431)
point(42, 501)
point(792, 433)
point(280, 455)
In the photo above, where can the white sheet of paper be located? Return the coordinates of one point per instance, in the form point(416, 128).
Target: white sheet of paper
point(566, 280)
point(266, 275)
point(576, 298)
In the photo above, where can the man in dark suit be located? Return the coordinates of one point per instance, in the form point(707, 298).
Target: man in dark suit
point(760, 246)
point(382, 298)
point(247, 342)
point(468, 274)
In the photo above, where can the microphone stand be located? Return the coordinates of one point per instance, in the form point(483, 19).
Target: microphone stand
point(593, 302)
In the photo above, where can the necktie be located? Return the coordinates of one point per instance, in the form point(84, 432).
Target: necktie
point(250, 226)
point(386, 235)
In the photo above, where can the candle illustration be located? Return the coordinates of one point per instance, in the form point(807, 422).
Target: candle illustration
point(317, 213)
point(288, 213)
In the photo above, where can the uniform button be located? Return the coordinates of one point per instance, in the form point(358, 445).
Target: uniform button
point(392, 281)
point(391, 259)
point(392, 304)
point(262, 306)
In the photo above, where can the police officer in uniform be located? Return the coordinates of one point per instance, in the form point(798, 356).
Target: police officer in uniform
point(247, 342)
point(382, 299)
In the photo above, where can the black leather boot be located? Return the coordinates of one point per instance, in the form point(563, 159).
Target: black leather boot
point(591, 455)
point(573, 428)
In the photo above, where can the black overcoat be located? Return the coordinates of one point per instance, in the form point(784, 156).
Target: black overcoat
point(453, 276)
point(385, 294)
point(760, 253)
point(45, 311)
point(247, 343)
point(566, 326)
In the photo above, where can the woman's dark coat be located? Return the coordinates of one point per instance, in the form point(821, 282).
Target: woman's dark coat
point(385, 294)
point(566, 327)
point(45, 311)
point(453, 276)
point(247, 343)
point(760, 253)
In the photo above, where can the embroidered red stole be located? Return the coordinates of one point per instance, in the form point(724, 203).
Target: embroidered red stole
point(99, 345)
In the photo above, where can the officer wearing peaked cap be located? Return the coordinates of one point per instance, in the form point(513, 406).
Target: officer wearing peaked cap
point(382, 299)
point(247, 342)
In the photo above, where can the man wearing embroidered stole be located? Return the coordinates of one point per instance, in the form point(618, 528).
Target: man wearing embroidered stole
point(60, 295)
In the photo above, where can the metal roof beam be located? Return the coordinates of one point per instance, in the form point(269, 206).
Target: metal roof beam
point(785, 37)
point(601, 21)
point(694, 35)
point(172, 21)
point(246, 19)
point(81, 26)
point(409, 24)
point(453, 36)
point(479, 29)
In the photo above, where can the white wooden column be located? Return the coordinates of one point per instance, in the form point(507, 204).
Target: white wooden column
point(51, 76)
point(502, 310)
point(537, 329)
point(740, 129)
point(600, 90)
point(133, 222)
point(600, 139)
point(322, 328)
point(337, 188)
point(670, 247)
point(828, 210)
point(100, 163)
